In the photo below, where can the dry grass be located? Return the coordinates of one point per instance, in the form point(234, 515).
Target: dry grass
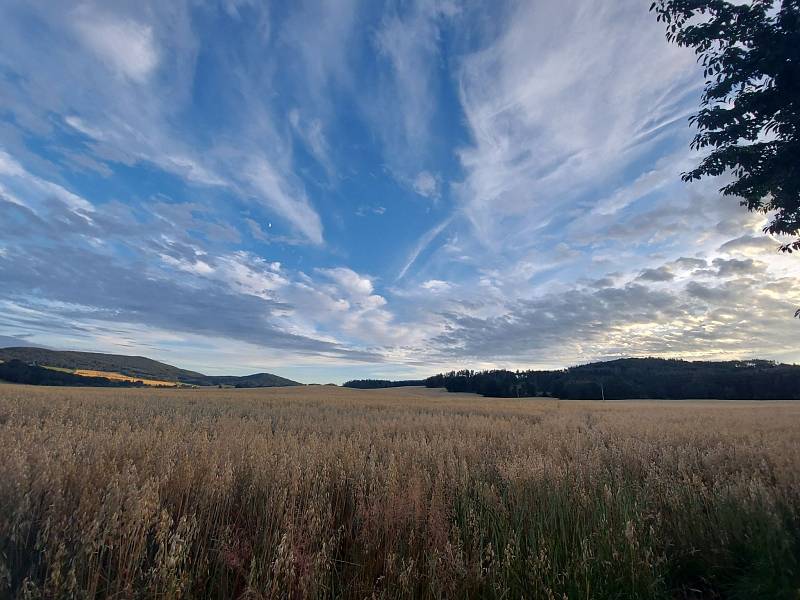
point(327, 492)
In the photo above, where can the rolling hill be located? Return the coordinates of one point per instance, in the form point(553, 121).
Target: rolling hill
point(138, 367)
point(17, 371)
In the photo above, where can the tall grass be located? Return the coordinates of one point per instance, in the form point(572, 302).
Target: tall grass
point(406, 493)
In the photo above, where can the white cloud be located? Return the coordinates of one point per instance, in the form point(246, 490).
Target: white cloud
point(421, 244)
point(313, 136)
point(403, 108)
point(75, 202)
point(80, 125)
point(409, 44)
point(751, 245)
point(663, 173)
point(251, 274)
point(318, 34)
point(190, 169)
point(9, 166)
point(436, 286)
point(350, 307)
point(286, 200)
point(125, 45)
point(364, 210)
point(349, 281)
point(554, 105)
point(427, 185)
point(196, 267)
point(27, 182)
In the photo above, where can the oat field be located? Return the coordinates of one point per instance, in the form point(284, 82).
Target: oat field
point(323, 492)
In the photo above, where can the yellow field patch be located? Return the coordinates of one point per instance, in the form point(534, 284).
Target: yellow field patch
point(120, 377)
point(113, 376)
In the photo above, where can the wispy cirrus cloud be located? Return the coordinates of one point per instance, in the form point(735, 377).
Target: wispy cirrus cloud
point(423, 242)
point(549, 126)
point(125, 45)
point(289, 201)
point(137, 69)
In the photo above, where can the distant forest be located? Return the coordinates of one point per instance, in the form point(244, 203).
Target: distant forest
point(373, 384)
point(635, 378)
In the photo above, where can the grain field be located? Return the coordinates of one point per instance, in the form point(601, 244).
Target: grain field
point(321, 492)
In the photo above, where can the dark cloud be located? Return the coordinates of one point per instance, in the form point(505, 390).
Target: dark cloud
point(735, 266)
point(690, 264)
point(540, 328)
point(634, 320)
point(663, 273)
point(708, 293)
point(603, 282)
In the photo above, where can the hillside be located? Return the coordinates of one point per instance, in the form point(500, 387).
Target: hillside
point(17, 371)
point(135, 366)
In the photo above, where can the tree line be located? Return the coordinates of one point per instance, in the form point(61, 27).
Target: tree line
point(372, 384)
point(635, 378)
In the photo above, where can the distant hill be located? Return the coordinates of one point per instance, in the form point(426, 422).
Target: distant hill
point(636, 378)
point(135, 366)
point(249, 381)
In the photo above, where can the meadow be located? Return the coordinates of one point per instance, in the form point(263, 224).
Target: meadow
point(324, 492)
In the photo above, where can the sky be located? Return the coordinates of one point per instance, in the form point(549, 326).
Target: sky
point(343, 189)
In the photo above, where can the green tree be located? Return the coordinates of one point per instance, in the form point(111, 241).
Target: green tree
point(750, 111)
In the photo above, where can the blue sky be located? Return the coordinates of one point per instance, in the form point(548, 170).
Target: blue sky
point(328, 190)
